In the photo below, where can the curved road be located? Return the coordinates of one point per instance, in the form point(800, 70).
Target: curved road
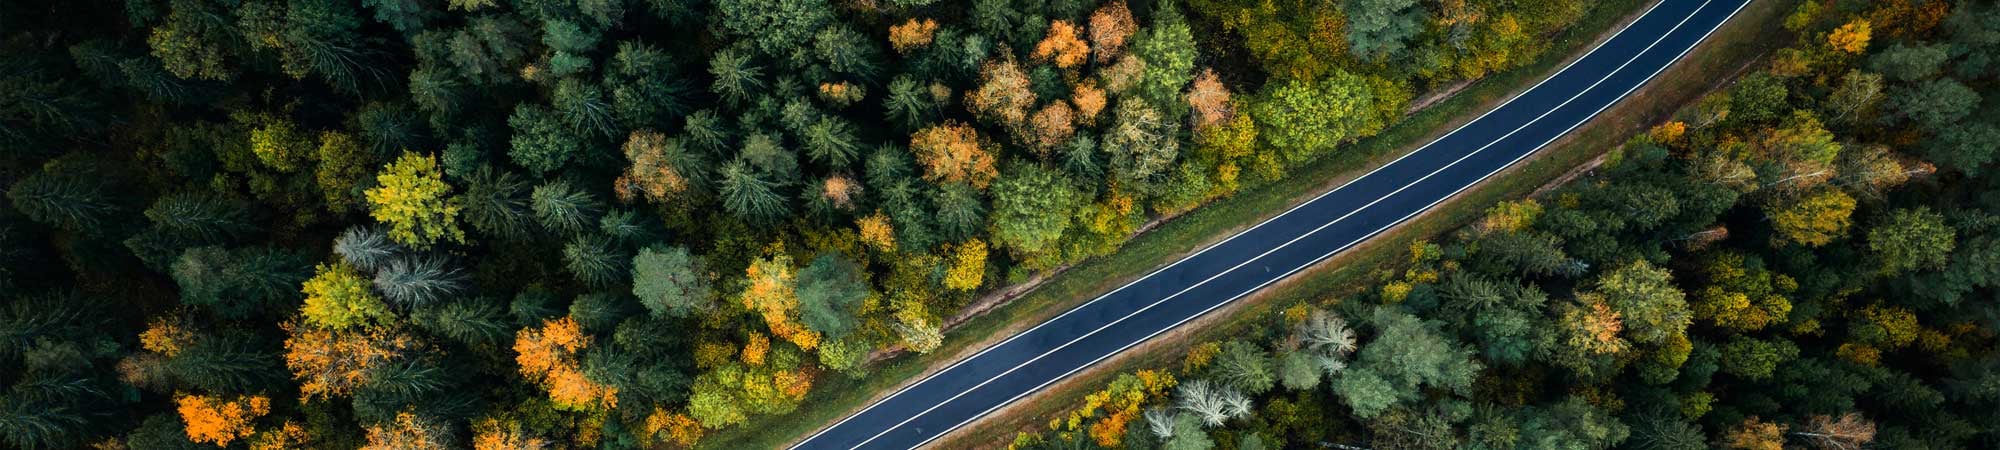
point(1276, 248)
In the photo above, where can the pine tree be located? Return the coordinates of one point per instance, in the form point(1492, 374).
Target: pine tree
point(565, 209)
point(238, 283)
point(472, 321)
point(595, 260)
point(749, 195)
point(420, 280)
point(496, 203)
point(736, 77)
point(830, 141)
point(830, 290)
point(200, 217)
point(63, 201)
point(366, 248)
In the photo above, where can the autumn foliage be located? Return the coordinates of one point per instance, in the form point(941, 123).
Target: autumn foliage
point(953, 153)
point(1062, 46)
point(552, 357)
point(214, 420)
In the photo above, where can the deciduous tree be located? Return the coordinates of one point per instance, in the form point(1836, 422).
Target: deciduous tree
point(413, 199)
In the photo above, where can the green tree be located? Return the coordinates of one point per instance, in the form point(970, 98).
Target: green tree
point(1910, 63)
point(1303, 119)
point(736, 76)
point(1935, 104)
point(595, 260)
point(497, 203)
point(63, 200)
point(910, 104)
point(566, 209)
point(1244, 366)
point(541, 142)
point(1030, 205)
point(830, 291)
point(848, 52)
point(960, 211)
point(1406, 356)
point(830, 141)
point(1653, 308)
point(1912, 239)
point(419, 280)
point(200, 217)
point(778, 28)
point(1756, 359)
point(671, 282)
point(1758, 98)
point(237, 283)
point(584, 108)
point(413, 199)
point(1378, 28)
point(1168, 48)
point(748, 194)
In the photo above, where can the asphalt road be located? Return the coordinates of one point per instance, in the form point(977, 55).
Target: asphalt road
point(1284, 244)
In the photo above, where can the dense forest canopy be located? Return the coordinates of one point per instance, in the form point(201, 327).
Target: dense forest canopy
point(1803, 259)
point(615, 223)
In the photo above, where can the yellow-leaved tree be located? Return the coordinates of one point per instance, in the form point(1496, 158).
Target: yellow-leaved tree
point(413, 199)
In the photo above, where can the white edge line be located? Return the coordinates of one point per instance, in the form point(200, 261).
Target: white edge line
point(1364, 238)
point(1232, 237)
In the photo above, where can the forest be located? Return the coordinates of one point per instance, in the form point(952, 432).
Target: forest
point(521, 224)
point(1805, 259)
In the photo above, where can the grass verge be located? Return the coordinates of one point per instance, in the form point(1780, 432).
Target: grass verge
point(1735, 47)
point(835, 396)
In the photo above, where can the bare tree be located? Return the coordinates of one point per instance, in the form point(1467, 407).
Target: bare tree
point(1848, 432)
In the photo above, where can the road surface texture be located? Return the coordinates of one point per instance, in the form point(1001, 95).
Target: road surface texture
point(1274, 249)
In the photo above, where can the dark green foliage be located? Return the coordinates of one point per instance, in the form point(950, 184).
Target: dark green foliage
point(1378, 28)
point(199, 217)
point(1935, 104)
point(960, 211)
point(736, 77)
point(1244, 366)
point(747, 193)
point(848, 52)
point(830, 289)
point(472, 321)
point(584, 108)
point(66, 201)
point(595, 260)
point(238, 283)
point(644, 87)
point(601, 311)
point(227, 362)
point(496, 203)
point(565, 209)
point(778, 27)
point(541, 142)
point(830, 142)
point(1757, 98)
point(909, 104)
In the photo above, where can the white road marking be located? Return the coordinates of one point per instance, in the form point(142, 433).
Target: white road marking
point(1509, 101)
point(1372, 234)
